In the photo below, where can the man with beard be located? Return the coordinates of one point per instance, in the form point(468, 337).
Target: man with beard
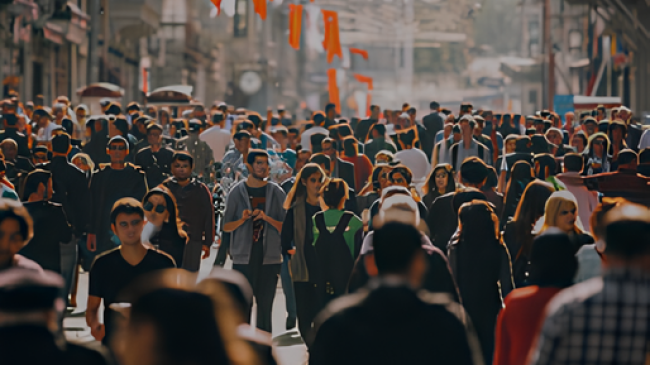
point(195, 210)
point(111, 183)
point(254, 215)
point(155, 160)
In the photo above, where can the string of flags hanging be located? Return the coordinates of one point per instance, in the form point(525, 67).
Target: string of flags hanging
point(331, 43)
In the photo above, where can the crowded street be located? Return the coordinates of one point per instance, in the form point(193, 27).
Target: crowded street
point(324, 182)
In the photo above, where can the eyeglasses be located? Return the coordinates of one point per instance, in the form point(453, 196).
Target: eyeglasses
point(148, 206)
point(115, 147)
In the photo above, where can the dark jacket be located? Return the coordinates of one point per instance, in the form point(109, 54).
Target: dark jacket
point(195, 209)
point(70, 190)
point(345, 171)
point(363, 129)
point(157, 165)
point(106, 187)
point(484, 277)
point(33, 344)
point(438, 278)
point(442, 221)
point(20, 138)
point(50, 229)
point(393, 324)
point(378, 144)
point(434, 124)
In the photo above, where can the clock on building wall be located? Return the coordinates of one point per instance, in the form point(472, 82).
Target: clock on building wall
point(250, 82)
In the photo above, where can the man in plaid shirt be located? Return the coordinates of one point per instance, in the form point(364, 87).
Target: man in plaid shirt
point(605, 320)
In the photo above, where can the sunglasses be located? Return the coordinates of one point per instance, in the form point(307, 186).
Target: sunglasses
point(148, 206)
point(117, 148)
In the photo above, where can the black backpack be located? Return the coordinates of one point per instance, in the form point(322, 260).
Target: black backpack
point(334, 257)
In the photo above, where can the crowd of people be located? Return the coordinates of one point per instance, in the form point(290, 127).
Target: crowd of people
point(475, 238)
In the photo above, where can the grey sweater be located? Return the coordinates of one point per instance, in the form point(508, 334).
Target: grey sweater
point(242, 238)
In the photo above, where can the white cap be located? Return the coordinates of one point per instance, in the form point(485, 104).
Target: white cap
point(467, 117)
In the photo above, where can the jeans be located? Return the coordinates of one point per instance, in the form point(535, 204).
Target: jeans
point(287, 287)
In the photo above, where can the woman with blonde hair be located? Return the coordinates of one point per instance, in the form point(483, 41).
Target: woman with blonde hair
point(562, 212)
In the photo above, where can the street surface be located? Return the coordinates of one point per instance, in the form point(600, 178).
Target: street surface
point(289, 347)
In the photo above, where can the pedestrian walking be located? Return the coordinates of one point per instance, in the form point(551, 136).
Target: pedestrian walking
point(254, 216)
point(300, 263)
point(480, 263)
point(337, 239)
point(195, 210)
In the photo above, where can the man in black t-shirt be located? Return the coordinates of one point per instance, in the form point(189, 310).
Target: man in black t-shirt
point(116, 269)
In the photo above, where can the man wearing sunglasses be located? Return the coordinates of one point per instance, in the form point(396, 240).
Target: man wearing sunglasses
point(112, 182)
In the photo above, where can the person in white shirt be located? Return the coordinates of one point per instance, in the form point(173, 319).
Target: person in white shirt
point(413, 158)
point(319, 123)
point(45, 125)
point(217, 137)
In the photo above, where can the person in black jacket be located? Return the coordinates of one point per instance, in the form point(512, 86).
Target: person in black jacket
point(70, 185)
point(390, 322)
point(50, 225)
point(434, 124)
point(481, 266)
point(109, 184)
point(155, 160)
point(443, 213)
point(17, 166)
point(96, 147)
point(10, 123)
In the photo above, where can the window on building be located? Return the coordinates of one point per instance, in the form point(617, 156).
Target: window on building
point(241, 18)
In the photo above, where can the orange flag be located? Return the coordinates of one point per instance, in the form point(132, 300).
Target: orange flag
point(333, 89)
point(260, 8)
point(365, 80)
point(217, 3)
point(362, 52)
point(332, 42)
point(295, 25)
